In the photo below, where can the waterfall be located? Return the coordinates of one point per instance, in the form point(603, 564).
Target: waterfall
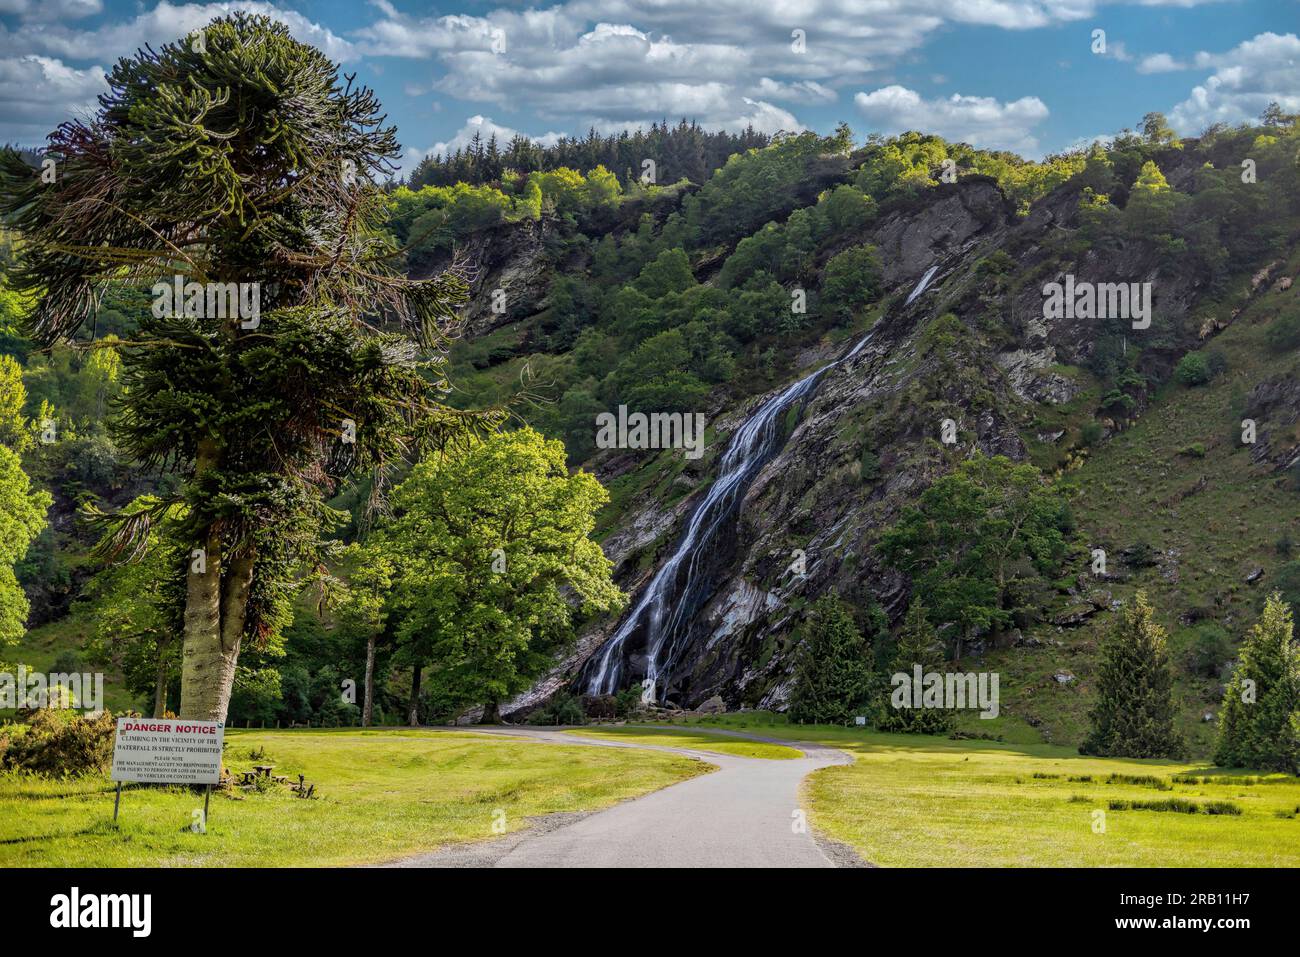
point(921, 286)
point(676, 591)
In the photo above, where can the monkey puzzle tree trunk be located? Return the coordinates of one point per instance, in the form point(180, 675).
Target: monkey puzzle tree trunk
point(368, 709)
point(413, 716)
point(215, 611)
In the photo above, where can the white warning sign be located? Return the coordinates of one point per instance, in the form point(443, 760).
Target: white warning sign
point(167, 751)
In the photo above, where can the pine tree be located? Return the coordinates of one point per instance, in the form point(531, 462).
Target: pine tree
point(833, 670)
point(1134, 713)
point(918, 644)
point(1259, 722)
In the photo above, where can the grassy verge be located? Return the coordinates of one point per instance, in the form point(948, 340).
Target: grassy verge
point(383, 795)
point(678, 737)
point(914, 801)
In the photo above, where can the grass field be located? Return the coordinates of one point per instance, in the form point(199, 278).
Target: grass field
point(680, 737)
point(383, 795)
point(914, 801)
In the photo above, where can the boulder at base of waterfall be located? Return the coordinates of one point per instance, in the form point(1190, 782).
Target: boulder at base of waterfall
point(714, 705)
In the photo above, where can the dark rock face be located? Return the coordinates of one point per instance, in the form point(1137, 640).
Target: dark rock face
point(1275, 406)
point(509, 257)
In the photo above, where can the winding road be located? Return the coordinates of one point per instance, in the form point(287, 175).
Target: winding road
point(744, 814)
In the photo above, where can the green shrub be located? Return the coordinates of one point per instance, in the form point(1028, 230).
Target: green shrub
point(68, 662)
point(1283, 334)
point(1284, 544)
point(869, 466)
point(1194, 451)
point(1141, 780)
point(1205, 651)
point(60, 742)
point(1178, 805)
point(1091, 433)
point(626, 701)
point(1193, 369)
point(563, 708)
point(1141, 555)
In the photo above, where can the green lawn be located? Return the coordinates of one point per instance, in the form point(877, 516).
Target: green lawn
point(914, 801)
point(678, 737)
point(383, 795)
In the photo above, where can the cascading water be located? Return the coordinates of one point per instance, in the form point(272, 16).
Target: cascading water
point(676, 590)
point(921, 286)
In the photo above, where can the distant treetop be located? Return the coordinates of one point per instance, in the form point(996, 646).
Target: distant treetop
point(682, 151)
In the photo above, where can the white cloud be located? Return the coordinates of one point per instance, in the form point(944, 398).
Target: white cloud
point(162, 24)
point(1160, 63)
point(50, 10)
point(37, 93)
point(1245, 80)
point(725, 63)
point(978, 120)
point(54, 90)
point(801, 91)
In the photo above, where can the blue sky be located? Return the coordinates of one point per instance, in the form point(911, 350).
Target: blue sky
point(1009, 74)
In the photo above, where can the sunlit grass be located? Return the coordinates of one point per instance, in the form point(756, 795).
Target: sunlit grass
point(916, 801)
point(383, 794)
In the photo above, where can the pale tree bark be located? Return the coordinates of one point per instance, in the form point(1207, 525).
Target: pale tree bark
point(201, 664)
point(216, 607)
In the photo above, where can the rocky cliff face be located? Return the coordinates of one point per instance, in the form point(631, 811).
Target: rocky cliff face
point(810, 518)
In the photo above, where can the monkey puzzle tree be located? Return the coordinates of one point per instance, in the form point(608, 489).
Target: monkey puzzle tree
point(236, 156)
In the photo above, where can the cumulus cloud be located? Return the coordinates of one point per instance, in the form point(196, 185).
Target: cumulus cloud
point(1245, 80)
point(41, 48)
point(51, 10)
point(801, 91)
point(37, 93)
point(162, 24)
point(725, 63)
point(978, 120)
point(1160, 63)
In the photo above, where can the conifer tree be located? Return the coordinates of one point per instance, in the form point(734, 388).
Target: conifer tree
point(833, 670)
point(1134, 713)
point(918, 644)
point(1259, 722)
point(236, 158)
